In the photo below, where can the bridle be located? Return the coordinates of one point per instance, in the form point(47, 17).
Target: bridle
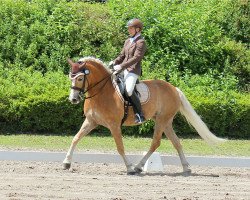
point(82, 90)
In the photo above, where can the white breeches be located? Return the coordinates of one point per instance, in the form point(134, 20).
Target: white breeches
point(130, 81)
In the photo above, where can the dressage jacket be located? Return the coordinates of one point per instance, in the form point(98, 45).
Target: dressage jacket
point(131, 55)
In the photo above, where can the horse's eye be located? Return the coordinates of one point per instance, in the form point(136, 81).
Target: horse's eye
point(80, 79)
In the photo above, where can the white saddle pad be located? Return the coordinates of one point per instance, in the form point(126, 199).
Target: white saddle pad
point(142, 88)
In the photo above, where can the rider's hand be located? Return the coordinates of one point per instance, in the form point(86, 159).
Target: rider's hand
point(111, 64)
point(117, 67)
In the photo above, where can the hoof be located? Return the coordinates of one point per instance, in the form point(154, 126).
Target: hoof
point(187, 173)
point(138, 170)
point(66, 165)
point(131, 173)
point(131, 170)
point(135, 171)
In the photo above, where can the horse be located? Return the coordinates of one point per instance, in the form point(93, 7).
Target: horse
point(103, 106)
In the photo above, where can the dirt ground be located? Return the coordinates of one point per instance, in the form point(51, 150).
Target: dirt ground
point(47, 180)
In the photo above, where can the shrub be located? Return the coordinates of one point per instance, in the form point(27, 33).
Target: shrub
point(194, 35)
point(195, 45)
point(33, 102)
point(42, 34)
point(226, 118)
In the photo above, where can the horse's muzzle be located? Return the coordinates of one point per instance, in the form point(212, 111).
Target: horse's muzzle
point(74, 97)
point(75, 101)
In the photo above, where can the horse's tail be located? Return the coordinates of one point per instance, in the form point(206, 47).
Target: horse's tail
point(194, 119)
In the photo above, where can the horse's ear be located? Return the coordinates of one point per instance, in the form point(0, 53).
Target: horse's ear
point(70, 62)
point(74, 66)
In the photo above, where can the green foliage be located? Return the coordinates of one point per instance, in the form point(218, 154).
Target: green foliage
point(237, 62)
point(42, 34)
point(226, 115)
point(200, 46)
point(234, 19)
point(31, 101)
point(196, 35)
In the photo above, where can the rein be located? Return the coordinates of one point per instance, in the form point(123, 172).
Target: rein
point(89, 88)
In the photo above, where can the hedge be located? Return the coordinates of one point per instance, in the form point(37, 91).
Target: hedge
point(37, 103)
point(39, 114)
point(200, 46)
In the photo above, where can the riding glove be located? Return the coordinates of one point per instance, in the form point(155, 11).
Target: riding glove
point(111, 64)
point(117, 67)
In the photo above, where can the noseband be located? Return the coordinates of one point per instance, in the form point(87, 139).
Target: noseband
point(74, 76)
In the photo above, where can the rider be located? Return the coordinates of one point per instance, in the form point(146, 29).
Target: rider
point(129, 60)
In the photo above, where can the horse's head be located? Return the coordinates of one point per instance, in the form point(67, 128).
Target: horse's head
point(77, 75)
point(87, 75)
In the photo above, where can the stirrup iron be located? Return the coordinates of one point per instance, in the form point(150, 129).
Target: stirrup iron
point(139, 119)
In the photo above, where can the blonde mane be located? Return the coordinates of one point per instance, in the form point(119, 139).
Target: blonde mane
point(96, 60)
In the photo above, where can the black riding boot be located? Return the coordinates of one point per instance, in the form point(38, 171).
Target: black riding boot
point(139, 117)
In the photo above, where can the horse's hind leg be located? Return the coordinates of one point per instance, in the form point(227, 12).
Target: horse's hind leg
point(169, 132)
point(87, 126)
point(158, 130)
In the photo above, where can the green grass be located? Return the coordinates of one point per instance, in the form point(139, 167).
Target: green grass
point(132, 145)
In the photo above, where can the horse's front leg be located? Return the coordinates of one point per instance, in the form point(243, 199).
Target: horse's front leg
point(87, 126)
point(116, 133)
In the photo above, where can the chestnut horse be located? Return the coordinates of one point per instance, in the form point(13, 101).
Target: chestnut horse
point(104, 107)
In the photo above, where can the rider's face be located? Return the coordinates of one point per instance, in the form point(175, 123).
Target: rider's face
point(131, 30)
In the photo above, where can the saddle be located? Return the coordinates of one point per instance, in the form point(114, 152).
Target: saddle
point(141, 89)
